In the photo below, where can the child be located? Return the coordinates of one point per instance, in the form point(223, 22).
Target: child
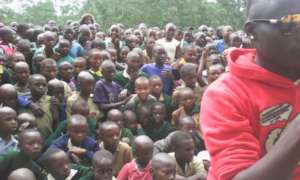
point(26, 121)
point(76, 142)
point(189, 56)
point(20, 174)
point(121, 61)
point(117, 116)
point(139, 168)
point(63, 52)
point(214, 71)
point(187, 165)
point(156, 86)
point(108, 94)
point(113, 55)
point(49, 40)
point(94, 59)
point(57, 166)
point(102, 167)
point(7, 36)
point(142, 96)
point(22, 74)
point(110, 136)
point(187, 107)
point(30, 144)
point(86, 83)
point(9, 96)
point(163, 167)
point(79, 65)
point(65, 73)
point(127, 77)
point(161, 69)
point(131, 123)
point(160, 128)
point(144, 116)
point(150, 42)
point(12, 60)
point(188, 73)
point(58, 102)
point(8, 126)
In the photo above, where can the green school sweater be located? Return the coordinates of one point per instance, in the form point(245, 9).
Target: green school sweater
point(159, 133)
point(125, 82)
point(15, 160)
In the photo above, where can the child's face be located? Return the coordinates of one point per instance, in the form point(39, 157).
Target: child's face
point(49, 41)
point(87, 86)
point(95, 60)
point(38, 86)
point(189, 127)
point(133, 63)
point(185, 152)
point(160, 55)
point(143, 154)
point(113, 55)
point(103, 170)
point(214, 72)
point(8, 123)
point(79, 66)
point(165, 172)
point(156, 86)
point(31, 144)
point(159, 113)
point(50, 71)
point(170, 32)
point(114, 33)
point(78, 133)
point(190, 79)
point(69, 35)
point(188, 37)
point(111, 137)
point(191, 55)
point(64, 48)
point(22, 74)
point(9, 98)
point(117, 118)
point(187, 100)
point(131, 123)
point(124, 53)
point(109, 73)
point(236, 42)
point(18, 57)
point(142, 89)
point(59, 167)
point(66, 71)
point(58, 92)
point(150, 43)
point(144, 115)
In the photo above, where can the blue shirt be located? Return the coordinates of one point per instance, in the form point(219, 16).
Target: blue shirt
point(8, 146)
point(152, 69)
point(220, 45)
point(76, 50)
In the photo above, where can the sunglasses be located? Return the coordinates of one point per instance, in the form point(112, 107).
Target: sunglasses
point(287, 24)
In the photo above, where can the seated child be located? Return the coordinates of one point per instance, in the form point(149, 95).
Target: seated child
point(142, 96)
point(140, 167)
point(132, 124)
point(57, 166)
point(65, 73)
point(78, 107)
point(102, 167)
point(79, 65)
point(8, 126)
point(94, 59)
point(144, 115)
point(156, 86)
point(163, 167)
point(76, 143)
point(20, 174)
point(187, 107)
point(62, 52)
point(160, 128)
point(188, 74)
point(127, 77)
point(187, 165)
point(22, 74)
point(30, 144)
point(110, 135)
point(117, 116)
point(108, 94)
point(185, 124)
point(26, 121)
point(86, 83)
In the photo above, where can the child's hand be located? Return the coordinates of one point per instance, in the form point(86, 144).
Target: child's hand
point(36, 110)
point(123, 95)
point(167, 74)
point(54, 101)
point(77, 150)
point(75, 158)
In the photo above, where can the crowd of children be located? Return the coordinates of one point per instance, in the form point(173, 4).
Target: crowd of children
point(77, 102)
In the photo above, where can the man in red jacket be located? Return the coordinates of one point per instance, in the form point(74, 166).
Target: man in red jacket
point(250, 116)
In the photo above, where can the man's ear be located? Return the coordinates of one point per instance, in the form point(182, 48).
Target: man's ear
point(249, 29)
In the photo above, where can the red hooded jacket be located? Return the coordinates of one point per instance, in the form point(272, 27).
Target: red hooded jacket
point(244, 113)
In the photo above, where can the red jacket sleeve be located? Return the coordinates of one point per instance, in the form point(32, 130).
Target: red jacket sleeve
point(228, 132)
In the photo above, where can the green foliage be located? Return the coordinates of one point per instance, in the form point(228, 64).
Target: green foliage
point(132, 12)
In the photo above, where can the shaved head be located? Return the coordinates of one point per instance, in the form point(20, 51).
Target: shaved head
point(162, 159)
point(20, 174)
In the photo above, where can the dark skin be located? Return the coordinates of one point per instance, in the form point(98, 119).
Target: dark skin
point(86, 82)
point(143, 151)
point(59, 165)
point(38, 87)
point(267, 38)
point(103, 170)
point(163, 167)
point(31, 143)
point(79, 65)
point(160, 58)
point(66, 71)
point(142, 89)
point(49, 70)
point(156, 85)
point(159, 113)
point(131, 121)
point(187, 100)
point(26, 121)
point(8, 123)
point(8, 95)
point(22, 73)
point(22, 173)
point(110, 135)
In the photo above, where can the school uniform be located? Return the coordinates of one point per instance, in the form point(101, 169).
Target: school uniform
point(135, 102)
point(131, 172)
point(11, 145)
point(106, 93)
point(63, 59)
point(157, 133)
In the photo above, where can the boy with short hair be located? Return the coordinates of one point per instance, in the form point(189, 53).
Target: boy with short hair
point(8, 96)
point(79, 146)
point(163, 167)
point(140, 167)
point(8, 126)
point(187, 165)
point(131, 122)
point(94, 60)
point(20, 174)
point(26, 121)
point(110, 136)
point(63, 52)
point(30, 144)
point(65, 73)
point(22, 72)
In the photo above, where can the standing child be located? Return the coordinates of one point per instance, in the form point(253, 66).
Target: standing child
point(76, 142)
point(58, 102)
point(79, 65)
point(8, 127)
point(140, 167)
point(30, 144)
point(63, 54)
point(121, 61)
point(65, 73)
point(110, 136)
point(7, 36)
point(94, 59)
point(22, 74)
point(131, 122)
